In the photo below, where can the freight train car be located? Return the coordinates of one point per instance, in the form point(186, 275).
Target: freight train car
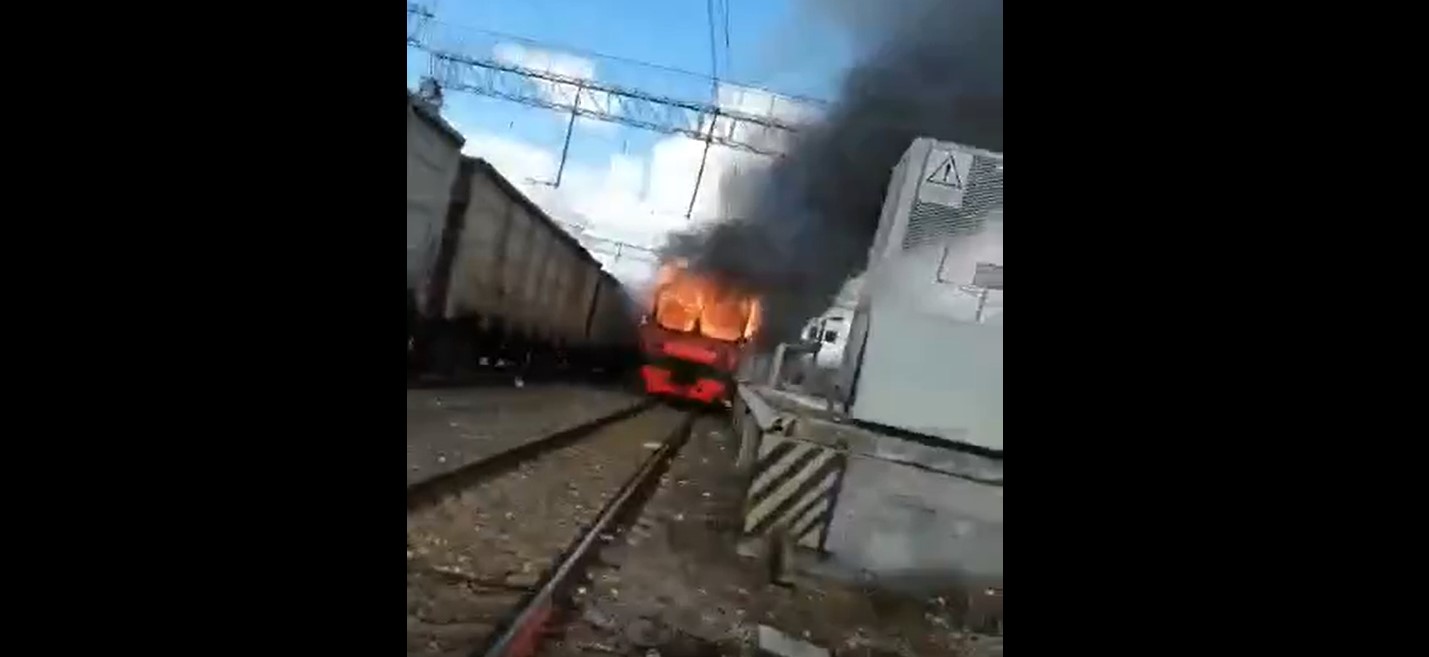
point(613, 337)
point(509, 288)
point(433, 153)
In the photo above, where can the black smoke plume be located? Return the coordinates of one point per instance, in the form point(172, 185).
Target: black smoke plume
point(934, 69)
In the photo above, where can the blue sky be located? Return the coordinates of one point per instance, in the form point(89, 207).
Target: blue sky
point(673, 33)
point(772, 43)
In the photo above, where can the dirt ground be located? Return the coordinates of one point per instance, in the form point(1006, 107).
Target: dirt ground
point(449, 428)
point(674, 583)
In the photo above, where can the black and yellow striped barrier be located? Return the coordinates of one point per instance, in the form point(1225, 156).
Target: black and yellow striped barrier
point(794, 486)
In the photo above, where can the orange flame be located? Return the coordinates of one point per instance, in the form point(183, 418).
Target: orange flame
point(685, 300)
point(756, 318)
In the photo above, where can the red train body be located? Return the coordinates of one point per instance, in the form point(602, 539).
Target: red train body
point(693, 336)
point(687, 365)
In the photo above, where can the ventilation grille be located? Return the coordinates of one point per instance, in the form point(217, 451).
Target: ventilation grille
point(928, 222)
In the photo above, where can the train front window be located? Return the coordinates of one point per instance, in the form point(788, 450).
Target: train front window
point(724, 319)
point(676, 312)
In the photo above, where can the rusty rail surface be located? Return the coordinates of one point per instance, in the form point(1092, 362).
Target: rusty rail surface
point(522, 635)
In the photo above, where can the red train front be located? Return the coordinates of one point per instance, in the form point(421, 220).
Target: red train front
point(693, 336)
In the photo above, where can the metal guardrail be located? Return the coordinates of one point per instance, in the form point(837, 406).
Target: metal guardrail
point(764, 415)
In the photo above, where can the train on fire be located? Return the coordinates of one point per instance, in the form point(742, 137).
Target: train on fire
point(694, 335)
point(491, 279)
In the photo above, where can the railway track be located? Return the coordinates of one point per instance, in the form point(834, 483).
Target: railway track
point(492, 546)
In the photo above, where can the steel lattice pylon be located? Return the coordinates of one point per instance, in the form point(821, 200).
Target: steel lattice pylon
point(417, 17)
point(606, 102)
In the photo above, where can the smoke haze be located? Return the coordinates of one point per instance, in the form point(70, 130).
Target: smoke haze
point(928, 68)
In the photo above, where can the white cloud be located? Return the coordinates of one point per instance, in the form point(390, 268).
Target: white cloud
point(515, 159)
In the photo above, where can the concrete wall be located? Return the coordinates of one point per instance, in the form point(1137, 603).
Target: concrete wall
point(910, 514)
point(908, 526)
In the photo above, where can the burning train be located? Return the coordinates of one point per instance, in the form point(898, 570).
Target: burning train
point(694, 334)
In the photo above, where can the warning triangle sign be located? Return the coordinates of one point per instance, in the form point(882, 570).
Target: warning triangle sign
point(947, 173)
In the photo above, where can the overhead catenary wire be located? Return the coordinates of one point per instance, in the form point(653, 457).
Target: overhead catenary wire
point(714, 58)
point(605, 102)
point(431, 21)
point(714, 100)
point(727, 66)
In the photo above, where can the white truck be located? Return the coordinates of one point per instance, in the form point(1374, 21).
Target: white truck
point(894, 471)
point(812, 366)
point(830, 331)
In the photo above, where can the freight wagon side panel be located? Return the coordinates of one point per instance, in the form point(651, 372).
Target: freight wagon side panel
point(538, 253)
point(624, 316)
point(432, 157)
point(548, 287)
point(546, 293)
point(593, 278)
point(578, 310)
point(599, 325)
point(560, 286)
point(613, 324)
point(571, 305)
point(516, 255)
point(476, 285)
